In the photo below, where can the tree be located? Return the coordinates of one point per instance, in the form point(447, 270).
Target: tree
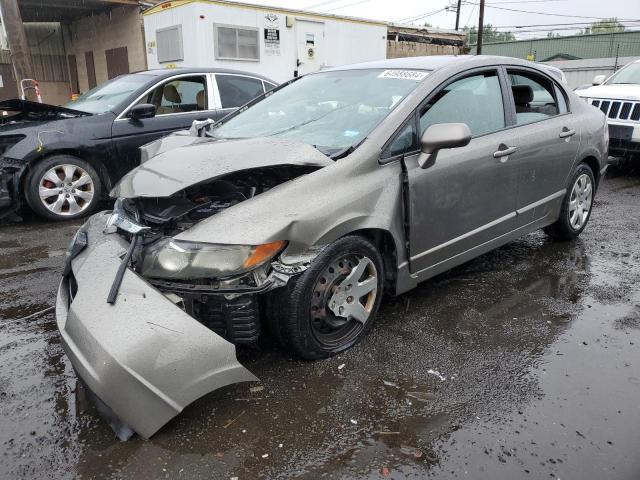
point(489, 35)
point(552, 34)
point(608, 25)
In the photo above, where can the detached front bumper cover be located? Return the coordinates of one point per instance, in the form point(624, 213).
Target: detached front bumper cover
point(143, 356)
point(9, 200)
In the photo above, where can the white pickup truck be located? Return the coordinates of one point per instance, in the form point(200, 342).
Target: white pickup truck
point(619, 98)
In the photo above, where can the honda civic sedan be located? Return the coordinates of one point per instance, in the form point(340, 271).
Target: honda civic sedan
point(60, 160)
point(295, 215)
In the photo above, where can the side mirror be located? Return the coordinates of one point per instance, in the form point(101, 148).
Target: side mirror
point(599, 79)
point(439, 136)
point(142, 110)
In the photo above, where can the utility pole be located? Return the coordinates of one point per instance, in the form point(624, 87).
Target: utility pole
point(480, 29)
point(458, 14)
point(17, 39)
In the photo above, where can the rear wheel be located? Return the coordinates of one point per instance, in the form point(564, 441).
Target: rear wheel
point(576, 206)
point(63, 187)
point(332, 305)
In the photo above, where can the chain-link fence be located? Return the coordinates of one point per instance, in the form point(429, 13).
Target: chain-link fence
point(599, 45)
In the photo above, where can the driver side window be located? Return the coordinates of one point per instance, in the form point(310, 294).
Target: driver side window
point(475, 100)
point(184, 94)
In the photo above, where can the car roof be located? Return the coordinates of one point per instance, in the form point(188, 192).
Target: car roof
point(169, 72)
point(435, 62)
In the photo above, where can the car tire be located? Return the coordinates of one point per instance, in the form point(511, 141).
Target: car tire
point(63, 187)
point(576, 205)
point(315, 315)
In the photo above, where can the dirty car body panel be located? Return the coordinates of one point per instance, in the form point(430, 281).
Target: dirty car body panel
point(205, 193)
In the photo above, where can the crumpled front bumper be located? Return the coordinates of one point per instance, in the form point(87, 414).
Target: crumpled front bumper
point(143, 356)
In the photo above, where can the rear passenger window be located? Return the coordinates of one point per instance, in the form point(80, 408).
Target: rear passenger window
point(236, 90)
point(534, 97)
point(474, 100)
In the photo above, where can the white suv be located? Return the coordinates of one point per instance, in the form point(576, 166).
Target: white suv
point(619, 98)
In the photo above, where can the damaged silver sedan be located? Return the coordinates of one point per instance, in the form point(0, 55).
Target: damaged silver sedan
point(295, 215)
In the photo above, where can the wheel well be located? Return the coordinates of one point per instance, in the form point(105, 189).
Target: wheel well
point(593, 163)
point(384, 242)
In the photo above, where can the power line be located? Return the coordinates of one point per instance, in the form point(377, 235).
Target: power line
point(542, 13)
point(321, 4)
point(470, 15)
point(526, 1)
point(345, 6)
point(418, 17)
point(558, 24)
point(570, 29)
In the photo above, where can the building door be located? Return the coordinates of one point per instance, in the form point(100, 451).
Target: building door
point(117, 61)
point(91, 69)
point(310, 46)
point(8, 87)
point(73, 74)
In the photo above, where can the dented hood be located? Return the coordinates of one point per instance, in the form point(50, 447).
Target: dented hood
point(177, 162)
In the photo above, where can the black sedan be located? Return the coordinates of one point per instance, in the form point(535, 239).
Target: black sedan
point(61, 161)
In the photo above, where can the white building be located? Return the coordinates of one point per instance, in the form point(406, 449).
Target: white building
point(277, 43)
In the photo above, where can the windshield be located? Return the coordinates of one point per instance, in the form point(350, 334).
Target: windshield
point(108, 95)
point(628, 75)
point(329, 110)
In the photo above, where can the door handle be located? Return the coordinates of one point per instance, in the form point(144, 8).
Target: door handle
point(566, 133)
point(503, 151)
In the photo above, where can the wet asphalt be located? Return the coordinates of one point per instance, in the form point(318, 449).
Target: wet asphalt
point(524, 363)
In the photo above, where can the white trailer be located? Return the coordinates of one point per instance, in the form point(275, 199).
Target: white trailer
point(274, 42)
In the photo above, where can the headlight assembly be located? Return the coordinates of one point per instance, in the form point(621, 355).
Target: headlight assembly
point(180, 260)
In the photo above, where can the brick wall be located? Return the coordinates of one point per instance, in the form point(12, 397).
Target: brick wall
point(416, 49)
point(119, 27)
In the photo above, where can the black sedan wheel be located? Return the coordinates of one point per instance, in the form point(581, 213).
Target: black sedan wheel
point(332, 305)
point(63, 187)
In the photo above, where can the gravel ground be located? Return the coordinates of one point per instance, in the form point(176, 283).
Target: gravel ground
point(524, 363)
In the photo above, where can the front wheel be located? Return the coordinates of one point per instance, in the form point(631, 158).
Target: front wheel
point(63, 187)
point(576, 206)
point(332, 305)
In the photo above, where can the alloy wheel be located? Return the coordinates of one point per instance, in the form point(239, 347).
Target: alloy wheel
point(580, 201)
point(66, 189)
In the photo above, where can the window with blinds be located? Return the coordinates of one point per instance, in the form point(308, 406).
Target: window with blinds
point(169, 44)
point(236, 43)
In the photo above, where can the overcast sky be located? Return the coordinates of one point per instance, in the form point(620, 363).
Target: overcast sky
point(407, 11)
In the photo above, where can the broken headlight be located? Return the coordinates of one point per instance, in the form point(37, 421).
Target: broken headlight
point(180, 260)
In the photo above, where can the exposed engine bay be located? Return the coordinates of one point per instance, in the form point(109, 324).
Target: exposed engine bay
point(228, 306)
point(20, 111)
point(171, 215)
